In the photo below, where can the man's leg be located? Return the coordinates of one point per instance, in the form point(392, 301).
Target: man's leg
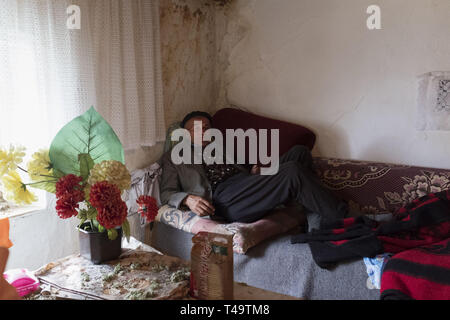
point(303, 156)
point(300, 154)
point(247, 198)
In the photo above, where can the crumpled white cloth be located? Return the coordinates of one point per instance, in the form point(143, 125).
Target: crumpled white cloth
point(374, 267)
point(143, 182)
point(433, 101)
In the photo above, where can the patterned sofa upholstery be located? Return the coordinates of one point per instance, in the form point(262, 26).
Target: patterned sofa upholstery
point(377, 188)
point(370, 188)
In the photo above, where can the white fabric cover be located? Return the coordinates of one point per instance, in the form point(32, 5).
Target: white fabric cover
point(433, 101)
point(143, 182)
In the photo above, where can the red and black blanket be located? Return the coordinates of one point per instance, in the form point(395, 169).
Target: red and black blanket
point(415, 228)
point(422, 273)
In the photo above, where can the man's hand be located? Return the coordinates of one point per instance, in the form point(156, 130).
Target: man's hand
point(255, 169)
point(199, 206)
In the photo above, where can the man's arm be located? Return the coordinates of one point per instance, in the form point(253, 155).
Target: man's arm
point(173, 195)
point(171, 192)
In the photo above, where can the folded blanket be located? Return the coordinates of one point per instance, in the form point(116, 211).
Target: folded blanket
point(421, 274)
point(425, 221)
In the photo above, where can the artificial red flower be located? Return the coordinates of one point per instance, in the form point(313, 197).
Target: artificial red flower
point(66, 206)
point(112, 210)
point(69, 193)
point(113, 214)
point(67, 184)
point(148, 207)
point(102, 193)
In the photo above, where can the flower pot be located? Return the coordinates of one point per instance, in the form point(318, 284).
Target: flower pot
point(97, 247)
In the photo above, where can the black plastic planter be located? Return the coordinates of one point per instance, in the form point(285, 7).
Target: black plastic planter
point(97, 247)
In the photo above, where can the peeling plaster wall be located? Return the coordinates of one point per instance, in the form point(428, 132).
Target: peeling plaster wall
point(315, 63)
point(188, 66)
point(231, 29)
point(188, 50)
point(188, 53)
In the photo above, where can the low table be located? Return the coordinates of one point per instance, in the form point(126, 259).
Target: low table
point(142, 272)
point(242, 291)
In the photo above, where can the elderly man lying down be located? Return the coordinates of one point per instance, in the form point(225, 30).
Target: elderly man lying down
point(244, 195)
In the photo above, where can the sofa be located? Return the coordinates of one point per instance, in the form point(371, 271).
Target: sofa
point(264, 256)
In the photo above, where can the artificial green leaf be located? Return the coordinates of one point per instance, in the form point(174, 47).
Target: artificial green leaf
point(58, 173)
point(112, 234)
point(86, 134)
point(126, 229)
point(82, 214)
point(96, 224)
point(91, 214)
point(86, 164)
point(101, 228)
point(47, 185)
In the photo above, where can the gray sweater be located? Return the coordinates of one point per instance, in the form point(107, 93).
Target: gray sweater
point(178, 181)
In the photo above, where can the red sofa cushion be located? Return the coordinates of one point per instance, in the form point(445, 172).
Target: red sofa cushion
point(290, 134)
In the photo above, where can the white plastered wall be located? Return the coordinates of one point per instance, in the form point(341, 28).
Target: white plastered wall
point(315, 63)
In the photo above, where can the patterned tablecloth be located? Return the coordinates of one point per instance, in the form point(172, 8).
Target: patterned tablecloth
point(141, 272)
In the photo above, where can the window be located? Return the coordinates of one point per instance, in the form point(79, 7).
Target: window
point(22, 121)
point(50, 73)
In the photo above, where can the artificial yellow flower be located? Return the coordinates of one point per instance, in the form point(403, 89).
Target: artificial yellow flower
point(40, 166)
point(10, 159)
point(16, 190)
point(111, 171)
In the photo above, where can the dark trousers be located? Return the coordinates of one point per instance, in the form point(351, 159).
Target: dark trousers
point(247, 198)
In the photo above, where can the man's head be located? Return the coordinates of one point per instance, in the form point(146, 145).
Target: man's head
point(201, 119)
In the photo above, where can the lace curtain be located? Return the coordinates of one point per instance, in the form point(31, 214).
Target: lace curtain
point(50, 73)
